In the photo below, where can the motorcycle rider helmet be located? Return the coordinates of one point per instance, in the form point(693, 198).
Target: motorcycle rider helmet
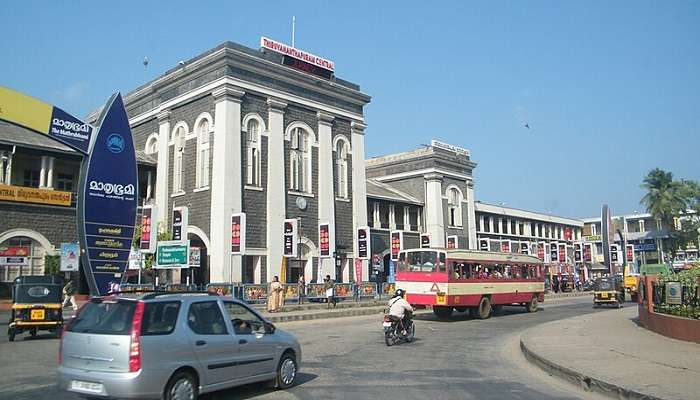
point(399, 293)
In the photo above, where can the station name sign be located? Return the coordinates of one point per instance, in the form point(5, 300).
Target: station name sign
point(300, 59)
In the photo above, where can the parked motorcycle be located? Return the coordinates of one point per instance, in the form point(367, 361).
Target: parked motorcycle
point(395, 331)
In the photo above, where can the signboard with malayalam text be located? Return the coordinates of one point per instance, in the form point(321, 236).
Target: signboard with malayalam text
point(108, 199)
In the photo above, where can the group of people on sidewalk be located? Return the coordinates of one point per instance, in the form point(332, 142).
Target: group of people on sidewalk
point(275, 296)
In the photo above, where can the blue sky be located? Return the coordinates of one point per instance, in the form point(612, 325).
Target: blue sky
point(609, 89)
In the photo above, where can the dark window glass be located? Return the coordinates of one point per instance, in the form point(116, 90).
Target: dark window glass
point(205, 319)
point(160, 318)
point(105, 318)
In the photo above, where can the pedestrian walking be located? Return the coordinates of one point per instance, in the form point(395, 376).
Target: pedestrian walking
point(69, 295)
point(274, 295)
point(301, 288)
point(329, 287)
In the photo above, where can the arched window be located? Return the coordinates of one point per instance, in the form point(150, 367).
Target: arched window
point(454, 202)
point(252, 144)
point(341, 169)
point(202, 176)
point(300, 161)
point(178, 153)
point(151, 144)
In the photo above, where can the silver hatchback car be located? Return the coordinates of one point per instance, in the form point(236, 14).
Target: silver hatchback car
point(172, 346)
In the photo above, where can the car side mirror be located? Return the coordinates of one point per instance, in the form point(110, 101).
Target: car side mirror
point(269, 327)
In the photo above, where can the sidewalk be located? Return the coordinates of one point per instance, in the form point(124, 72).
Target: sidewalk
point(608, 352)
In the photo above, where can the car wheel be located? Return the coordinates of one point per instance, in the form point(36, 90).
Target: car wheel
point(182, 386)
point(532, 305)
point(286, 372)
point(484, 308)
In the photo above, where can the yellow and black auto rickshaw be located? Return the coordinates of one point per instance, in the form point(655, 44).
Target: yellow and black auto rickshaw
point(609, 291)
point(36, 306)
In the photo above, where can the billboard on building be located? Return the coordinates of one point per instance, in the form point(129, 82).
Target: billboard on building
point(396, 244)
point(363, 243)
point(291, 238)
point(238, 233)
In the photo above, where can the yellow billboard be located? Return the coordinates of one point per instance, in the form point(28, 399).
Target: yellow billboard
point(34, 195)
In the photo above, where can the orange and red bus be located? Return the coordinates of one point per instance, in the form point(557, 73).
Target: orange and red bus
point(469, 280)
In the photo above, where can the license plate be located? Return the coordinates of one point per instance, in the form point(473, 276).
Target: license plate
point(386, 324)
point(37, 314)
point(88, 387)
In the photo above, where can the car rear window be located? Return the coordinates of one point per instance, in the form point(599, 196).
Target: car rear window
point(160, 318)
point(104, 317)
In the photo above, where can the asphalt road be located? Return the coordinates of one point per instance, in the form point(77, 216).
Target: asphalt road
point(346, 358)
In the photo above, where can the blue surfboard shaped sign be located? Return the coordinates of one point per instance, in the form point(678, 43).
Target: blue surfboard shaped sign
point(108, 202)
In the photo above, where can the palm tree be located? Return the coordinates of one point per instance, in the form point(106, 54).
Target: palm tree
point(665, 197)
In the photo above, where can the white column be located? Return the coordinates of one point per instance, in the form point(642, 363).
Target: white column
point(359, 189)
point(42, 173)
point(276, 187)
point(149, 184)
point(471, 218)
point(326, 194)
point(162, 194)
point(225, 183)
point(434, 217)
point(49, 172)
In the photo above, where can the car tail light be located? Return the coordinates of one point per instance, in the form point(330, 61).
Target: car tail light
point(135, 348)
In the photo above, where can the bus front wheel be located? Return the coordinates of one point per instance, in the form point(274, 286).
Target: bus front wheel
point(442, 312)
point(484, 309)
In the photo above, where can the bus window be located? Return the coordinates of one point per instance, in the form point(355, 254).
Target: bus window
point(422, 261)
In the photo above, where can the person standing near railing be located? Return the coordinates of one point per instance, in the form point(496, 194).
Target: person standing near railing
point(301, 288)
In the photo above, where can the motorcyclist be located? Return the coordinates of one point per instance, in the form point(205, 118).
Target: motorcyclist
point(400, 308)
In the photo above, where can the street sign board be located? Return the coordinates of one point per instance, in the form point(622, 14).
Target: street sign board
point(172, 254)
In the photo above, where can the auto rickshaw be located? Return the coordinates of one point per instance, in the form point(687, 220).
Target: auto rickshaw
point(36, 306)
point(610, 291)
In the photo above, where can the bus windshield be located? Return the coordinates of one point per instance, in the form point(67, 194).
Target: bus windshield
point(424, 261)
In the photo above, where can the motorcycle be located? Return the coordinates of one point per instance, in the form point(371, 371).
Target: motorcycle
point(395, 331)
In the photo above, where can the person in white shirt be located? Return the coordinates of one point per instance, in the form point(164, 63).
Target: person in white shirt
point(398, 307)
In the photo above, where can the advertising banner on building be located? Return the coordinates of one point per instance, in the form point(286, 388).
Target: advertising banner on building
point(553, 252)
point(587, 252)
point(358, 270)
point(108, 199)
point(396, 244)
point(452, 242)
point(26, 111)
point(149, 233)
point(630, 254)
point(363, 243)
point(135, 259)
point(562, 254)
point(540, 251)
point(195, 257)
point(70, 257)
point(424, 240)
point(238, 238)
point(505, 246)
point(180, 223)
point(484, 245)
point(291, 238)
point(324, 240)
point(578, 253)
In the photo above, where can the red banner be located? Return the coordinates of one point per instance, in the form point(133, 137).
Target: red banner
point(358, 270)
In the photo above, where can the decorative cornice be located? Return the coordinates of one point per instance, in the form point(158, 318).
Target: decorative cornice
point(227, 92)
point(274, 104)
point(324, 118)
point(358, 127)
point(163, 116)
